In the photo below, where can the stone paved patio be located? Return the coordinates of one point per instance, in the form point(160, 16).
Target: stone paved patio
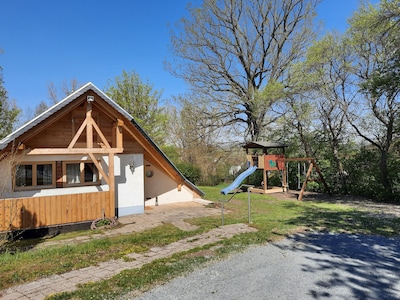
point(174, 213)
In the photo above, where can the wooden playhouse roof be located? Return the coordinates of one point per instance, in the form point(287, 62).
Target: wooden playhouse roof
point(264, 145)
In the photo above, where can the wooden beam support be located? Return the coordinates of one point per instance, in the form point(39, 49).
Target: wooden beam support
point(89, 126)
point(89, 134)
point(310, 159)
point(117, 133)
point(265, 181)
point(59, 151)
point(305, 182)
point(100, 133)
point(313, 164)
point(98, 166)
point(78, 134)
point(112, 181)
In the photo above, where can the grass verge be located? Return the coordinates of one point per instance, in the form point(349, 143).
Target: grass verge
point(273, 218)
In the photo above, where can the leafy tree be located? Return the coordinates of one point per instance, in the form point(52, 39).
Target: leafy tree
point(140, 100)
point(8, 110)
point(375, 42)
point(327, 78)
point(237, 52)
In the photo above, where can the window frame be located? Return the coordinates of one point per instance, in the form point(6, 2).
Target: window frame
point(81, 175)
point(34, 185)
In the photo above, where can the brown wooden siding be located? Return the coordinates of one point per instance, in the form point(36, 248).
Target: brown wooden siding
point(23, 213)
point(60, 133)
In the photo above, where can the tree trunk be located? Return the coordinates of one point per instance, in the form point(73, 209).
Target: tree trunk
point(384, 173)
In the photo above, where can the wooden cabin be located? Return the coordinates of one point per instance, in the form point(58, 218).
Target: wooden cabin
point(83, 159)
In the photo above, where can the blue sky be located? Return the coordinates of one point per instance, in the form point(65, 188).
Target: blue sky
point(94, 40)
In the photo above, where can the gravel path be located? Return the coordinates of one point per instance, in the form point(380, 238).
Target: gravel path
point(305, 266)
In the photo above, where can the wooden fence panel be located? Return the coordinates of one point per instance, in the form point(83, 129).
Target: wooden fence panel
point(3, 216)
point(24, 213)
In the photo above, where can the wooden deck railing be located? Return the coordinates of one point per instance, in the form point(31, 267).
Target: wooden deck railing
point(34, 212)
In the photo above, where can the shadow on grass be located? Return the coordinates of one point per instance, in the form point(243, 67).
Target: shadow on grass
point(346, 220)
point(349, 266)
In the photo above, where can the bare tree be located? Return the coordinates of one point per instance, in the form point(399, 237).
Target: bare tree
point(238, 53)
point(199, 144)
point(9, 160)
point(55, 95)
point(67, 88)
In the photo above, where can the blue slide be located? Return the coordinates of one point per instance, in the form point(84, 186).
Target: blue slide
point(235, 184)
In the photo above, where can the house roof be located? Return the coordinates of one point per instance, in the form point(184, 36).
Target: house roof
point(70, 98)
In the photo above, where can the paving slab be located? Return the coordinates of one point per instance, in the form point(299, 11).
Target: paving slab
point(175, 214)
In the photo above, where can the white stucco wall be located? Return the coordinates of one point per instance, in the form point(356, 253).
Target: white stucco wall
point(129, 192)
point(134, 189)
point(162, 187)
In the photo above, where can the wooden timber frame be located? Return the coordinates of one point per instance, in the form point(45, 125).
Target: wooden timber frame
point(312, 165)
point(90, 125)
point(278, 160)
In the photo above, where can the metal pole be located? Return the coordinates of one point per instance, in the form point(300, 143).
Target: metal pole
point(248, 201)
point(222, 212)
point(287, 176)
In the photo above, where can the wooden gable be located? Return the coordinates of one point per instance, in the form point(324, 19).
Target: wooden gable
point(59, 129)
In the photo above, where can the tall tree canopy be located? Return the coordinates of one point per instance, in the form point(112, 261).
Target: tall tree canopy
point(140, 100)
point(238, 52)
point(8, 110)
point(374, 39)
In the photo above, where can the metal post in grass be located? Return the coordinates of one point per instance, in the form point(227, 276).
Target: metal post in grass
point(249, 187)
point(222, 213)
point(248, 201)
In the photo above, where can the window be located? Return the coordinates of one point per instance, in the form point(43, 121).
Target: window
point(81, 173)
point(34, 175)
point(91, 172)
point(23, 176)
point(73, 173)
point(44, 174)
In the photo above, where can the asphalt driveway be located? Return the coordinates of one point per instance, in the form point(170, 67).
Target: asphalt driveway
point(305, 266)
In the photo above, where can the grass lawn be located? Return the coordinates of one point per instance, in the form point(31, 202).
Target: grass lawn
point(274, 218)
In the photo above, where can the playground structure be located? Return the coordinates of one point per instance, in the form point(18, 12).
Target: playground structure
point(269, 157)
